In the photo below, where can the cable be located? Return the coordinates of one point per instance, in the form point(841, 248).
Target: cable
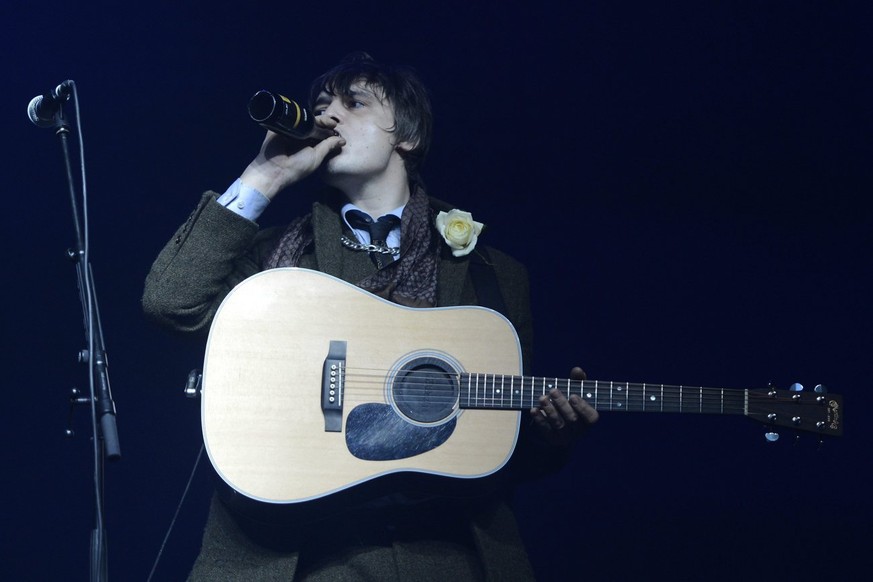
point(176, 515)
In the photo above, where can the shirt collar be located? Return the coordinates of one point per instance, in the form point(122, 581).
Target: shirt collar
point(363, 235)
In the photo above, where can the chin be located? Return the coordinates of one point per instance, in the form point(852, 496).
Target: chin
point(333, 175)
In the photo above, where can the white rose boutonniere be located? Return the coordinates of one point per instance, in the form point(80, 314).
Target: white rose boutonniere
point(459, 230)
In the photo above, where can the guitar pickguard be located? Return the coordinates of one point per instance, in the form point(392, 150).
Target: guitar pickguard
point(423, 391)
point(375, 432)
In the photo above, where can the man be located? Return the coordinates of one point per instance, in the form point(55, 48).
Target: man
point(374, 125)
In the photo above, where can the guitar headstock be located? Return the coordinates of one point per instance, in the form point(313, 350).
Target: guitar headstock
point(815, 411)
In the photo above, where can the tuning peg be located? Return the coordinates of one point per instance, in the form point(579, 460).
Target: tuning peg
point(771, 437)
point(796, 387)
point(821, 389)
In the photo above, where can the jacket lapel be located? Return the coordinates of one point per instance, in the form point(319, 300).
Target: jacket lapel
point(327, 229)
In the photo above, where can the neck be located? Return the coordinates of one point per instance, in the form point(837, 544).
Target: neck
point(375, 195)
point(379, 202)
point(379, 199)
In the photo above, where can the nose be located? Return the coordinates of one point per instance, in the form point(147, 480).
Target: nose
point(333, 110)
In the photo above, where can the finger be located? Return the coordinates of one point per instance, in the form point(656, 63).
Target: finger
point(273, 140)
point(539, 419)
point(554, 418)
point(325, 121)
point(578, 373)
point(585, 411)
point(277, 146)
point(562, 405)
point(322, 131)
point(326, 146)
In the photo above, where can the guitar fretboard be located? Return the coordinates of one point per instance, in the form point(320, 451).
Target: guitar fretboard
point(499, 391)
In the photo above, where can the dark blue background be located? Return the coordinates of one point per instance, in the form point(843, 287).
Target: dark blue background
point(689, 183)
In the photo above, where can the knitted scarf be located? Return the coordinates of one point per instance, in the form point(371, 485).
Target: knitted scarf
point(411, 280)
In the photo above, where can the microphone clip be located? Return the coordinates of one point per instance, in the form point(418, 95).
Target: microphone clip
point(47, 110)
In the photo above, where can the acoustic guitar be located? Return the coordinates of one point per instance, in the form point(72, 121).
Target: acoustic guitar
point(312, 386)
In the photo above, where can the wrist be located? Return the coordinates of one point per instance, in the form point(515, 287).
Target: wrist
point(266, 178)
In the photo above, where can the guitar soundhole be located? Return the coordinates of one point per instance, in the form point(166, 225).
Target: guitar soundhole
point(426, 389)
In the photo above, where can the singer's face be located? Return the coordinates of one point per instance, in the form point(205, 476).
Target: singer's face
point(364, 120)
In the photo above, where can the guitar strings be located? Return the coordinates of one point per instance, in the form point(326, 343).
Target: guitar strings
point(380, 379)
point(604, 395)
point(618, 394)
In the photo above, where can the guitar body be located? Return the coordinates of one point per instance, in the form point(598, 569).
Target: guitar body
point(264, 426)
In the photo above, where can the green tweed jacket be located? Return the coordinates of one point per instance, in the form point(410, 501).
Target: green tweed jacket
point(216, 249)
point(213, 251)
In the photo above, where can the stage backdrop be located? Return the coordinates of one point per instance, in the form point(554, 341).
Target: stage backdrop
point(688, 183)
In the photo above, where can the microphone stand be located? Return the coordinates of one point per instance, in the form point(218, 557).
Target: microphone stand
point(105, 436)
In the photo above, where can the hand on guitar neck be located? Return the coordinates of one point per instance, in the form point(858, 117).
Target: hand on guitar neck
point(559, 419)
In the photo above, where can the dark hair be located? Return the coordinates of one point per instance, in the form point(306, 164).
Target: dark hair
point(401, 87)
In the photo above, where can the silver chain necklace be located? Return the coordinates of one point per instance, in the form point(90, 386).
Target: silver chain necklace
point(369, 248)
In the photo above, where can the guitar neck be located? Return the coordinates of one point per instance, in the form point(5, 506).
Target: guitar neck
point(498, 391)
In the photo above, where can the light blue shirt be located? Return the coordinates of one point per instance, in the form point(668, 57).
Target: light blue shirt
point(250, 204)
point(393, 238)
point(244, 200)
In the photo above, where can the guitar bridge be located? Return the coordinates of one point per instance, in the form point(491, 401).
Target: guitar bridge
point(332, 381)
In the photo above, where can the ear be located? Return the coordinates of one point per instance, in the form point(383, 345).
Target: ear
point(405, 147)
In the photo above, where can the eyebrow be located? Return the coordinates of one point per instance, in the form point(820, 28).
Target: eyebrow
point(324, 97)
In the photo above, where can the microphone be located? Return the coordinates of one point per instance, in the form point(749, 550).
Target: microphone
point(282, 115)
point(42, 109)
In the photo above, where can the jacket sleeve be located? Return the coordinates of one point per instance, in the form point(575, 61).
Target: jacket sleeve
point(209, 254)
